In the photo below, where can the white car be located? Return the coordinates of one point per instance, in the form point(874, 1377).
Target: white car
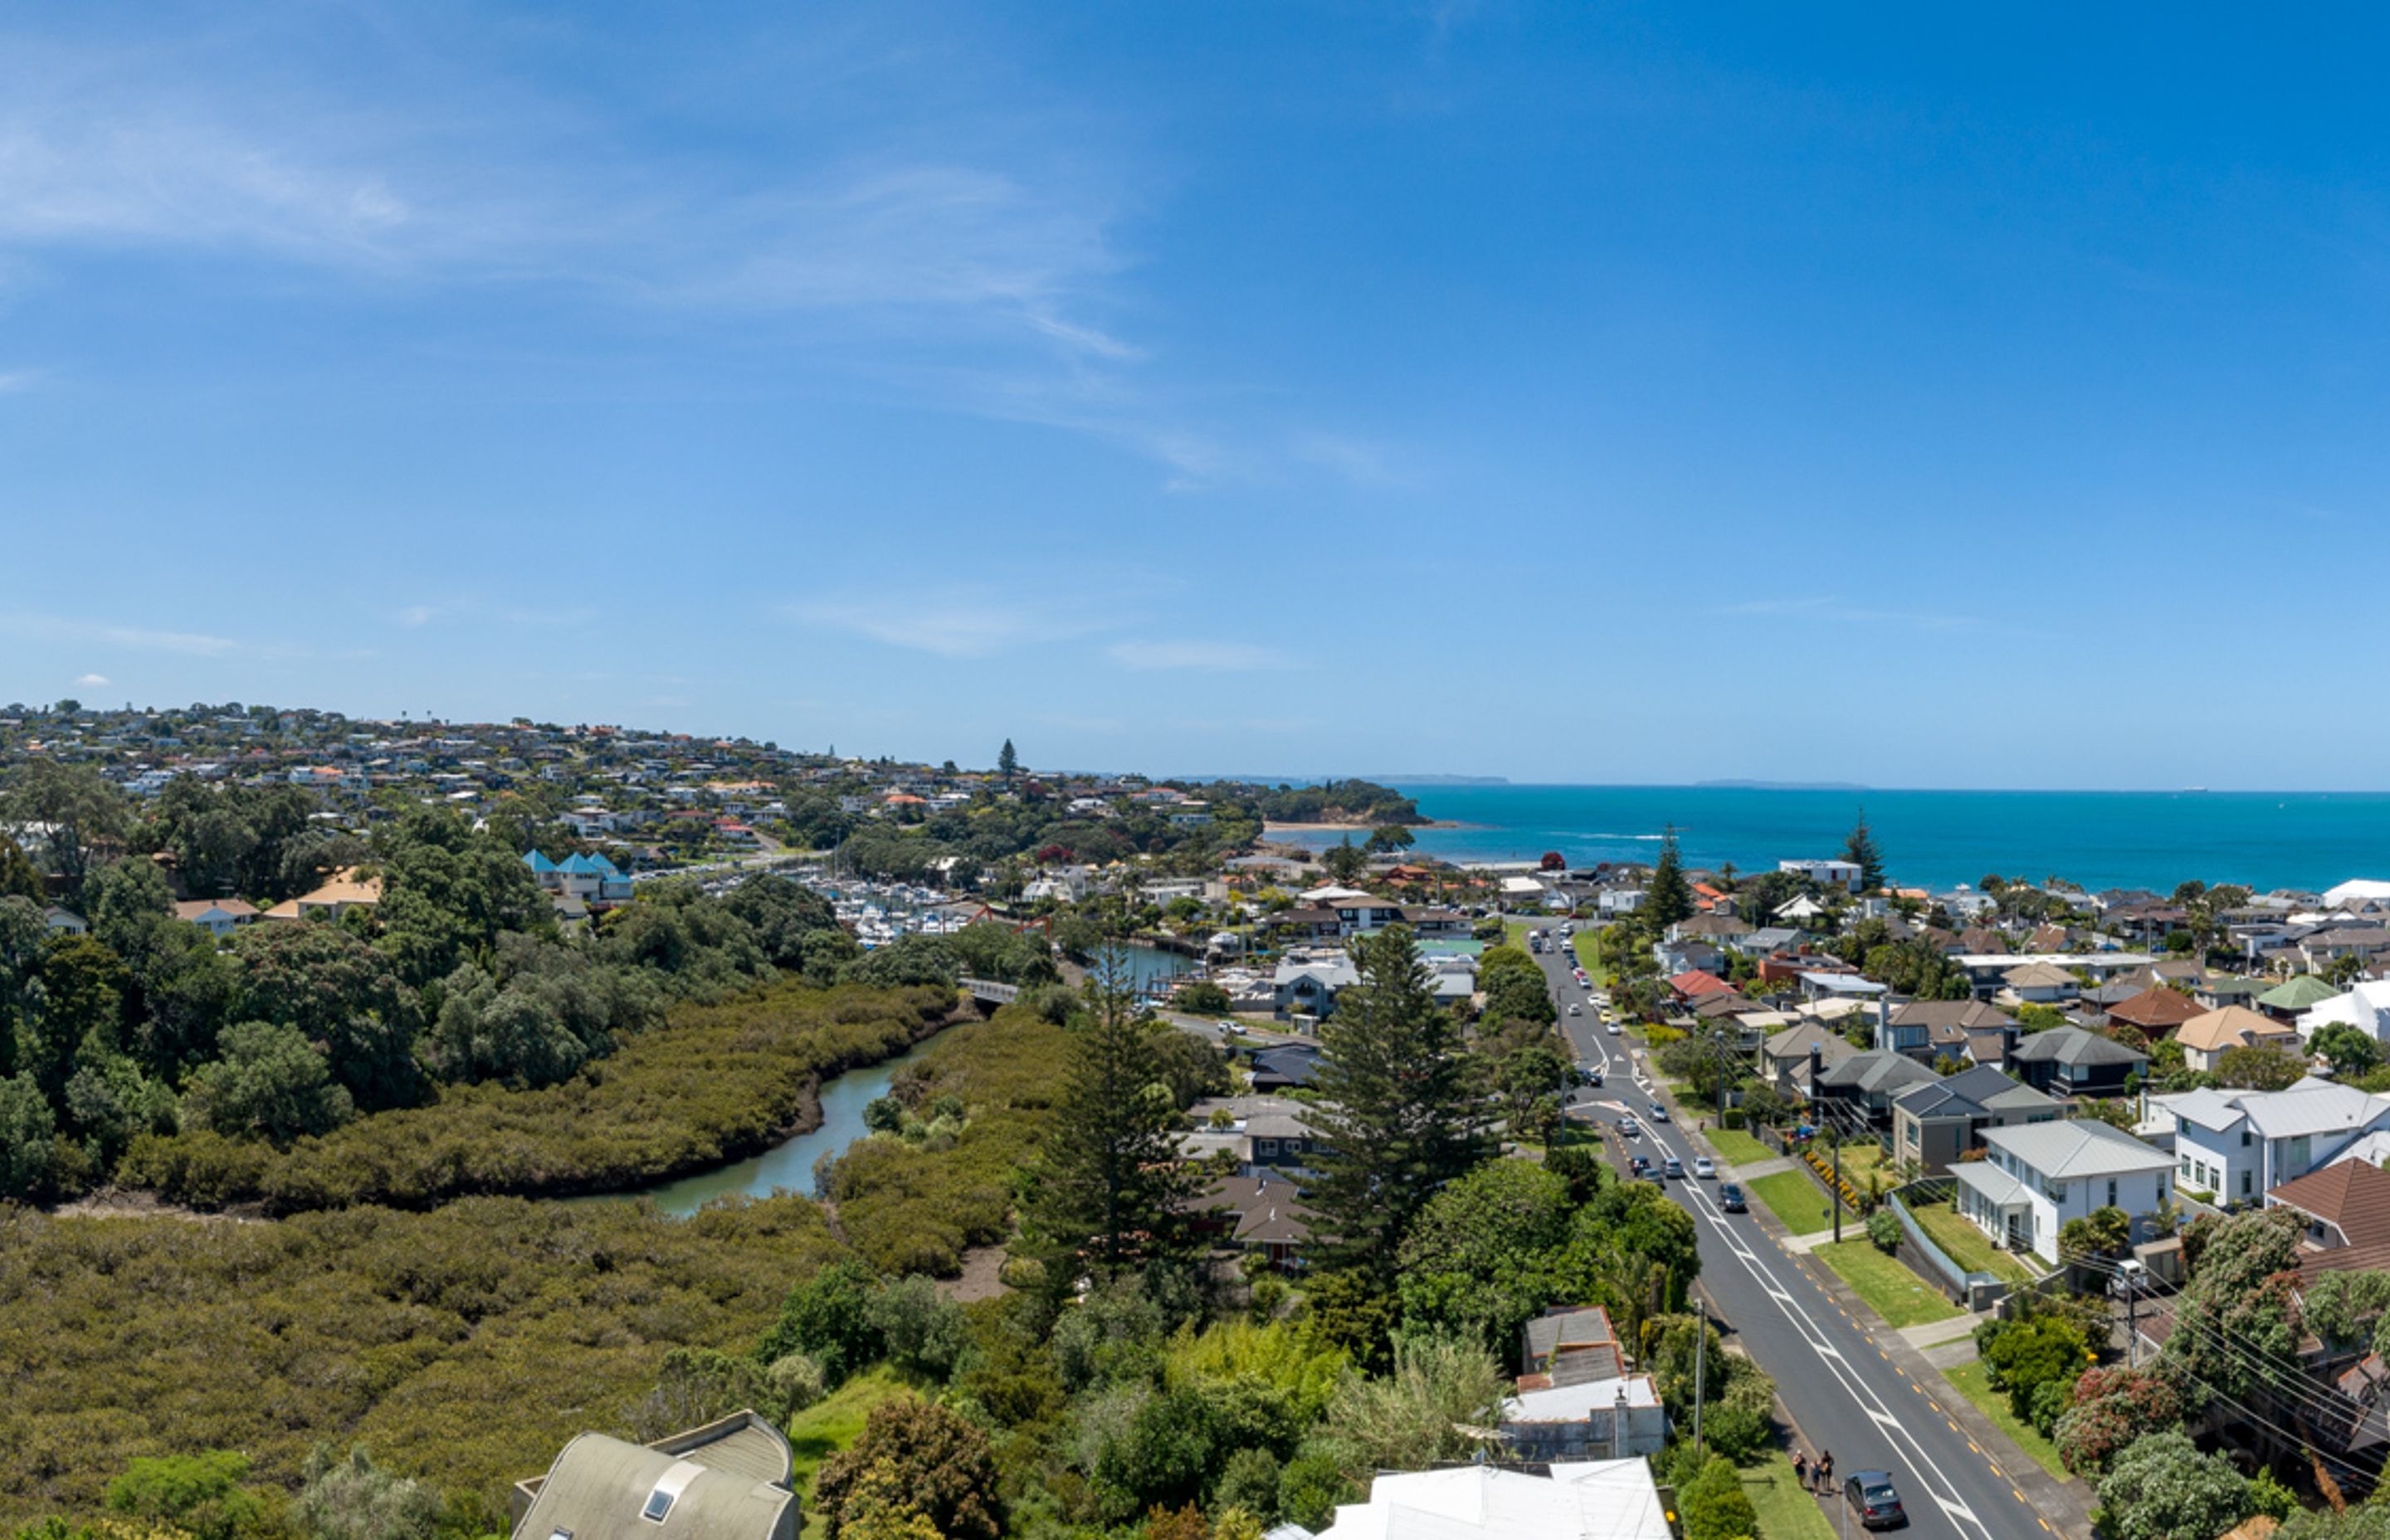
point(1704, 1168)
point(1577, 1010)
point(1611, 1027)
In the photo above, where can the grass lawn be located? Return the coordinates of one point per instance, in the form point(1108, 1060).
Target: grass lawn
point(1898, 1295)
point(1785, 1511)
point(1967, 1244)
point(1795, 1200)
point(1971, 1383)
point(1587, 947)
point(832, 1424)
point(1738, 1147)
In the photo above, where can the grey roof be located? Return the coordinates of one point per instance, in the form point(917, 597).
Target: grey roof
point(1981, 1089)
point(2083, 1146)
point(2075, 1046)
point(1588, 1324)
point(728, 1480)
point(1992, 1182)
point(1877, 1069)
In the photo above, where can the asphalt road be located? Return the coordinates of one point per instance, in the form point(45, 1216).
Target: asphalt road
point(1841, 1390)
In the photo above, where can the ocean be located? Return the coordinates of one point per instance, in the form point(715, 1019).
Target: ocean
point(1934, 838)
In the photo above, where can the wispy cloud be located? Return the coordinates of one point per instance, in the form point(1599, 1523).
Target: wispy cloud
point(1192, 653)
point(957, 625)
point(90, 681)
point(1830, 608)
point(132, 638)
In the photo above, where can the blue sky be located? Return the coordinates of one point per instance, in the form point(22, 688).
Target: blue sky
point(1585, 394)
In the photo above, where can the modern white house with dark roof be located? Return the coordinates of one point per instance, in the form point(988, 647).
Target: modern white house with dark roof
point(2036, 1178)
point(2239, 1144)
point(729, 1479)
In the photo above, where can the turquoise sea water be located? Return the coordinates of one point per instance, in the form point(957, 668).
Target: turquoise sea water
point(2099, 839)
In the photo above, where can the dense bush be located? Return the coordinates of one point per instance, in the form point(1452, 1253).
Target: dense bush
point(463, 1346)
point(718, 1082)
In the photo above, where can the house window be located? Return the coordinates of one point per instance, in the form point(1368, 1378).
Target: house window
point(2245, 1180)
point(2244, 1138)
point(2112, 1192)
point(1913, 1135)
point(659, 1503)
point(2186, 1165)
point(1265, 1146)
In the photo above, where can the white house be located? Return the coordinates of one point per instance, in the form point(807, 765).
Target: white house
point(2237, 1144)
point(2038, 1177)
point(2365, 1008)
point(1608, 1419)
point(1619, 901)
point(217, 916)
point(1612, 1499)
point(1844, 875)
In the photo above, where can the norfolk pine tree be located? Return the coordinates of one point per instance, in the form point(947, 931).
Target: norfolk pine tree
point(1401, 1112)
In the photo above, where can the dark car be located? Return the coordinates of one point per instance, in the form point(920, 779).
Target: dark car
point(1730, 1198)
point(1636, 1164)
point(1871, 1497)
point(1588, 1077)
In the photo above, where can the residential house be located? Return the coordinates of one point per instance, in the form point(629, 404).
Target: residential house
point(1936, 1122)
point(1261, 1133)
point(729, 1479)
point(1593, 1420)
point(2207, 1038)
point(2365, 1007)
point(1613, 1499)
point(2216, 990)
point(2295, 998)
point(2346, 1204)
point(2072, 1062)
point(1929, 1030)
point(1784, 1057)
point(1262, 1212)
point(2037, 983)
point(1359, 915)
point(591, 879)
point(2365, 942)
point(1284, 1067)
point(1844, 875)
point(344, 891)
point(1866, 1082)
point(2035, 1178)
point(1569, 1345)
point(217, 916)
point(1689, 956)
point(60, 921)
point(2239, 1144)
point(2154, 1012)
point(1802, 910)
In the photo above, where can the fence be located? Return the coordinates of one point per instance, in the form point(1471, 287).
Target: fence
point(1976, 1291)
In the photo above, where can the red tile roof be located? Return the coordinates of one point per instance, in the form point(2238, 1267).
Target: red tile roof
point(1694, 984)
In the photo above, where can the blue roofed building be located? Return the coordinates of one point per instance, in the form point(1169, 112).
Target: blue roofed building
point(593, 879)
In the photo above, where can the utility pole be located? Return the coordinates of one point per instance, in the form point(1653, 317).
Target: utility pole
point(1701, 1363)
point(1837, 1193)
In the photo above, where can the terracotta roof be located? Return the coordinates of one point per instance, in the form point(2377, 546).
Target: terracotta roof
point(2352, 1196)
point(1695, 983)
point(2155, 1009)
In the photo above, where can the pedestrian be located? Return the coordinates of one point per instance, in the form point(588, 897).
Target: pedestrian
point(1801, 1468)
point(1825, 1471)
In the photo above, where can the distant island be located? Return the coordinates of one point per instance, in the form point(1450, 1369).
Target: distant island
point(1782, 785)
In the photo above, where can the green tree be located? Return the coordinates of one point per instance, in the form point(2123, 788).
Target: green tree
point(19, 875)
point(1668, 897)
point(1398, 1115)
point(2350, 1051)
point(1417, 1414)
point(937, 1459)
point(352, 1498)
point(1386, 838)
point(2163, 1488)
point(1715, 1506)
point(28, 1138)
point(271, 1082)
point(1860, 848)
point(200, 1494)
point(1345, 861)
point(1008, 763)
point(1109, 1191)
point(81, 814)
point(341, 994)
point(1490, 1253)
point(1514, 987)
point(828, 1317)
point(2235, 1332)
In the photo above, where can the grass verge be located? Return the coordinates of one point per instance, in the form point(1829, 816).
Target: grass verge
point(1785, 1511)
point(1793, 1198)
point(830, 1425)
point(1890, 1288)
point(1974, 1384)
point(1737, 1148)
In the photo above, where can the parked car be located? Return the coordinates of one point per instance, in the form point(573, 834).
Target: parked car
point(1673, 1168)
point(1871, 1497)
point(1611, 1027)
point(1730, 1198)
point(1704, 1167)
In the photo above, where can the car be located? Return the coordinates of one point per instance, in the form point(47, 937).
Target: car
point(1636, 1165)
point(1730, 1198)
point(1659, 1113)
point(1577, 1010)
point(1588, 1075)
point(1629, 1129)
point(1704, 1168)
point(1655, 1178)
point(1674, 1168)
point(1611, 1027)
point(1871, 1497)
point(1234, 1029)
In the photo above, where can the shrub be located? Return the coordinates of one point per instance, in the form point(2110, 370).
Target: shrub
point(2163, 1488)
point(1248, 1480)
point(1883, 1228)
point(1713, 1505)
point(938, 1462)
point(355, 1499)
point(200, 1494)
